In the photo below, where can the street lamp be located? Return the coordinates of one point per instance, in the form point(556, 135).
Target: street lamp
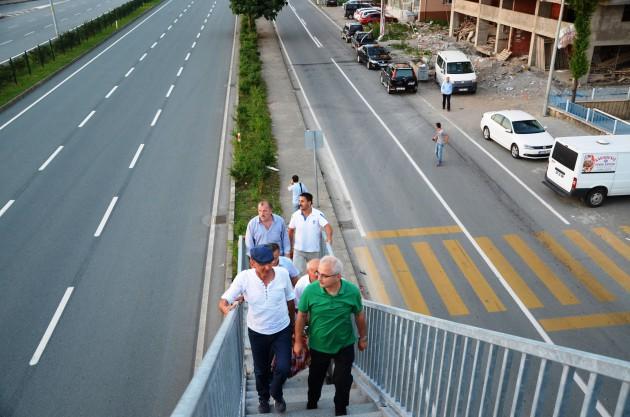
point(553, 59)
point(54, 16)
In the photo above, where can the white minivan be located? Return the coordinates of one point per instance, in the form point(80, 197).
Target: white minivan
point(592, 167)
point(456, 66)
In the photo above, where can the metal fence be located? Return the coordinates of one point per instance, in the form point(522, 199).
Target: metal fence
point(595, 117)
point(599, 93)
point(425, 366)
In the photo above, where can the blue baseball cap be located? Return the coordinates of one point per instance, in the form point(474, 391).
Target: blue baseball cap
point(262, 254)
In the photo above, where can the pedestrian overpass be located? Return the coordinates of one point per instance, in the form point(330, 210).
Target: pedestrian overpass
point(423, 366)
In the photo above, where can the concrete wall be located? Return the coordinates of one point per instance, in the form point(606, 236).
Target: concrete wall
point(607, 27)
point(620, 109)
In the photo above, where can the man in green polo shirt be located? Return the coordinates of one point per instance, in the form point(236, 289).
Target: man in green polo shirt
point(328, 304)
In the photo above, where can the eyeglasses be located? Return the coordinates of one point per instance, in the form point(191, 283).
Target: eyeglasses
point(325, 275)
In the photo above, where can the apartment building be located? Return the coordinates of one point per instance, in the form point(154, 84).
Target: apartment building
point(528, 28)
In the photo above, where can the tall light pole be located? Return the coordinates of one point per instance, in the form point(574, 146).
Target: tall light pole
point(382, 26)
point(54, 16)
point(553, 59)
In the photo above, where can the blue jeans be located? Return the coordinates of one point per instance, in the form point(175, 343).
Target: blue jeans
point(264, 347)
point(439, 152)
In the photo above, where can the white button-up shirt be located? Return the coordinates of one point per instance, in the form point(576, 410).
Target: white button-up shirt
point(307, 230)
point(267, 312)
point(299, 287)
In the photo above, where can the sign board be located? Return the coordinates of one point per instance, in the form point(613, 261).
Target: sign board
point(313, 139)
point(599, 162)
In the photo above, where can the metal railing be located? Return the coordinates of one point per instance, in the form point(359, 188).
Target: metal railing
point(599, 93)
point(595, 117)
point(425, 366)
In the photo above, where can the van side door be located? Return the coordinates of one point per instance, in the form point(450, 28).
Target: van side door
point(621, 180)
point(439, 68)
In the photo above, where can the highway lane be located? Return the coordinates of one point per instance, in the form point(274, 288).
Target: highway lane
point(571, 280)
point(124, 344)
point(30, 23)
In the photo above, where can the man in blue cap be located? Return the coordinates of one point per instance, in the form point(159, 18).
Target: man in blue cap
point(269, 294)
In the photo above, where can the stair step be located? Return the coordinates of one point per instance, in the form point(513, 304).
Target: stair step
point(327, 391)
point(325, 408)
point(296, 400)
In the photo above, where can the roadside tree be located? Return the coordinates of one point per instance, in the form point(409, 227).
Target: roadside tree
point(254, 9)
point(578, 63)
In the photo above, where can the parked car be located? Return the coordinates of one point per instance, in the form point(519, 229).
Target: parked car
point(399, 77)
point(359, 12)
point(351, 5)
point(375, 17)
point(362, 38)
point(373, 56)
point(517, 131)
point(331, 2)
point(456, 66)
point(349, 30)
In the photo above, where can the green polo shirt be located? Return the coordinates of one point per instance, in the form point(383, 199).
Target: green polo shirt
point(330, 317)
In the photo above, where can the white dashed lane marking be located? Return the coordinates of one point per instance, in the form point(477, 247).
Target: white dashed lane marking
point(108, 212)
point(50, 158)
point(156, 117)
point(114, 88)
point(129, 72)
point(6, 207)
point(88, 117)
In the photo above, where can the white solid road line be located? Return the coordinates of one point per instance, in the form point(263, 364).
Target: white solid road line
point(129, 72)
point(187, 56)
point(205, 292)
point(114, 88)
point(162, 35)
point(315, 40)
point(170, 90)
point(169, 27)
point(6, 42)
point(82, 67)
point(29, 33)
point(88, 117)
point(179, 72)
point(51, 327)
point(50, 158)
point(193, 45)
point(198, 35)
point(156, 117)
point(144, 55)
point(6, 207)
point(108, 212)
point(136, 156)
point(154, 45)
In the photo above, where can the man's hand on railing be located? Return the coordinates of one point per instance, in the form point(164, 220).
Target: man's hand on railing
point(225, 307)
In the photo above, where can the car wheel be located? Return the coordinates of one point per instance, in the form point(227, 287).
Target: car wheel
point(595, 197)
point(358, 59)
point(486, 133)
point(368, 65)
point(389, 90)
point(514, 150)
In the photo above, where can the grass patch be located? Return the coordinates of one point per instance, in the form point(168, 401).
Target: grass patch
point(395, 31)
point(10, 90)
point(256, 147)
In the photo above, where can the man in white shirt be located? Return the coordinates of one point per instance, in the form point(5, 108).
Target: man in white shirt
point(310, 276)
point(305, 232)
point(284, 262)
point(296, 188)
point(269, 294)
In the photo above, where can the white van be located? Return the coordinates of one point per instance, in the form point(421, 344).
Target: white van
point(592, 167)
point(456, 66)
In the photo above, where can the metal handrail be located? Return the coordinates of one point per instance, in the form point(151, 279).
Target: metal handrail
point(427, 365)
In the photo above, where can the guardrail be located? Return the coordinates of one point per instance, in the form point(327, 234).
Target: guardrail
point(594, 117)
point(425, 366)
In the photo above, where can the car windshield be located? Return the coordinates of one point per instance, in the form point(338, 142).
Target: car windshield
point(377, 51)
point(525, 127)
point(459, 68)
point(404, 72)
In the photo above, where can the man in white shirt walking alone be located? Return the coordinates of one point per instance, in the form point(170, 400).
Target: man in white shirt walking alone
point(296, 188)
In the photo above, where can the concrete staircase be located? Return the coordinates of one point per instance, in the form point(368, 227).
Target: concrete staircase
point(295, 390)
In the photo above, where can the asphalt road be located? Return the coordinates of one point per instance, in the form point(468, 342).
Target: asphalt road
point(25, 25)
point(111, 229)
point(479, 240)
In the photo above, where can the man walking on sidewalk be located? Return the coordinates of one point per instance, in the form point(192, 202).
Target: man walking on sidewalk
point(267, 228)
point(441, 139)
point(329, 304)
point(296, 188)
point(269, 295)
point(305, 232)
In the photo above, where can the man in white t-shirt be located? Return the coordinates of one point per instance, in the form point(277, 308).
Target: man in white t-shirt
point(296, 188)
point(269, 294)
point(310, 276)
point(305, 232)
point(284, 262)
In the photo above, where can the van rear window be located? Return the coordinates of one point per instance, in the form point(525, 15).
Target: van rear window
point(565, 156)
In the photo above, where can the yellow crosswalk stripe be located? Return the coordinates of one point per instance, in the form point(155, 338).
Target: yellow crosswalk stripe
point(625, 229)
point(586, 322)
point(600, 258)
point(373, 281)
point(479, 284)
point(562, 293)
point(614, 242)
point(416, 231)
point(517, 283)
point(575, 267)
point(408, 288)
point(454, 303)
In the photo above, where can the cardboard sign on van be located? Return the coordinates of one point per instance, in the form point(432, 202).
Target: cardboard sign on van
point(599, 162)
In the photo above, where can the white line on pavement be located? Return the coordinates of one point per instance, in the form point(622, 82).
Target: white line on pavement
point(144, 55)
point(205, 292)
point(114, 88)
point(324, 14)
point(187, 56)
point(6, 42)
point(180, 15)
point(179, 72)
point(6, 207)
point(193, 45)
point(170, 90)
point(154, 44)
point(88, 117)
point(108, 212)
point(317, 42)
point(51, 327)
point(169, 27)
point(156, 117)
point(129, 72)
point(175, 21)
point(78, 14)
point(202, 27)
point(162, 35)
point(198, 35)
point(30, 106)
point(29, 33)
point(50, 158)
point(205, 20)
point(136, 156)
point(313, 38)
point(48, 26)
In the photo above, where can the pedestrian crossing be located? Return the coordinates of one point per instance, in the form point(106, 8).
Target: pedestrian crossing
point(436, 269)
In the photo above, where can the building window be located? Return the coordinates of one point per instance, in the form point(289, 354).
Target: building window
point(626, 13)
point(451, 1)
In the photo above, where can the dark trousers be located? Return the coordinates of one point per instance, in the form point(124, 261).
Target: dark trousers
point(446, 101)
point(264, 347)
point(342, 377)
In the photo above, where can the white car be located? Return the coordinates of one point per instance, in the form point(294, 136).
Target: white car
point(365, 12)
point(517, 131)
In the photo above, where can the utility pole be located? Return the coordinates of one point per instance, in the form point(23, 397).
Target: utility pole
point(54, 16)
point(382, 27)
point(553, 59)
